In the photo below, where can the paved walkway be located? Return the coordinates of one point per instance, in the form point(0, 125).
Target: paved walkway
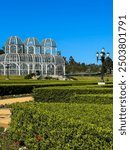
point(5, 112)
point(5, 117)
point(14, 100)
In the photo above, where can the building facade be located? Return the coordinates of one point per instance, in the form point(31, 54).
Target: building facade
point(22, 58)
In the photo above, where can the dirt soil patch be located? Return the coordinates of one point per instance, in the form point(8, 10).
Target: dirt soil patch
point(5, 113)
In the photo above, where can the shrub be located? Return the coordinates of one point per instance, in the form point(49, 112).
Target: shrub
point(62, 126)
point(1, 129)
point(93, 98)
point(15, 89)
point(11, 89)
point(29, 76)
point(64, 94)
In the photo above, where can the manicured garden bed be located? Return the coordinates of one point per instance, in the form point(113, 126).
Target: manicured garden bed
point(62, 125)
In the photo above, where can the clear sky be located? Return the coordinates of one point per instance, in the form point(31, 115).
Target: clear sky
point(79, 27)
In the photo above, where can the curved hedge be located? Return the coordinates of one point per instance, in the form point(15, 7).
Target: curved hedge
point(15, 87)
point(65, 94)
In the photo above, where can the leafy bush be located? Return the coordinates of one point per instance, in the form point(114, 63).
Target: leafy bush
point(1, 129)
point(62, 126)
point(29, 76)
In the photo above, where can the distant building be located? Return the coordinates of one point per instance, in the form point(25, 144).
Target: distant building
point(31, 57)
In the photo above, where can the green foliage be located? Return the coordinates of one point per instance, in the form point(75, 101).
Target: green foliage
point(1, 51)
point(11, 89)
point(62, 126)
point(93, 79)
point(65, 94)
point(15, 87)
point(1, 129)
point(29, 76)
point(20, 79)
point(11, 77)
point(82, 124)
point(93, 98)
point(76, 67)
point(108, 65)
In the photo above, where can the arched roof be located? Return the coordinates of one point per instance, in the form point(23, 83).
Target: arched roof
point(48, 42)
point(13, 40)
point(32, 58)
point(9, 57)
point(31, 41)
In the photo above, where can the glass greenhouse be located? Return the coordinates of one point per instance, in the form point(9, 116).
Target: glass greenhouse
point(31, 57)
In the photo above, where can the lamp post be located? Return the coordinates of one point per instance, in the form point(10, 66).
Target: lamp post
point(7, 71)
point(101, 57)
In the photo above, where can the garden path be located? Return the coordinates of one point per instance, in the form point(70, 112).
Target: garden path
point(5, 113)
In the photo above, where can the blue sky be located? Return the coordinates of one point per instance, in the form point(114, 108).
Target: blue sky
point(79, 27)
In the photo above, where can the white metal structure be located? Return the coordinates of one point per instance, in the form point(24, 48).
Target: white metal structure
point(31, 57)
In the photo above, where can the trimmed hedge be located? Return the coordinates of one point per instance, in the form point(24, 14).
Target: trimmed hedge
point(11, 89)
point(64, 94)
point(51, 82)
point(92, 98)
point(15, 88)
point(62, 126)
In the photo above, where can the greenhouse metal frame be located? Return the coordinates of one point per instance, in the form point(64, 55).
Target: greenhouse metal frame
point(31, 57)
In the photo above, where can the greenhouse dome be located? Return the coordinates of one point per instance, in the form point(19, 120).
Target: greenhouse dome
point(48, 46)
point(13, 40)
point(28, 57)
point(14, 45)
point(32, 46)
point(48, 42)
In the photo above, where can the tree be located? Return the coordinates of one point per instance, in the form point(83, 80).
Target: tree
point(1, 51)
point(108, 65)
point(76, 67)
point(71, 60)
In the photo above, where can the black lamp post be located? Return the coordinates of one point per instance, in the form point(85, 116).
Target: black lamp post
point(7, 71)
point(101, 57)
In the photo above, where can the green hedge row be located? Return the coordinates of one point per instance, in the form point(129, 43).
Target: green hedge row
point(26, 88)
point(64, 94)
point(15, 89)
point(51, 82)
point(93, 98)
point(60, 126)
point(12, 89)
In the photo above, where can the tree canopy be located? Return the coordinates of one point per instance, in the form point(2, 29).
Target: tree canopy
point(76, 67)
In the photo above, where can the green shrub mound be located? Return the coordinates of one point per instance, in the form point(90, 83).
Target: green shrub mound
point(65, 94)
point(50, 126)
